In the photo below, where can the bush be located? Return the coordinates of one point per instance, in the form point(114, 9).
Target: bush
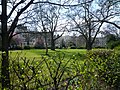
point(113, 44)
point(106, 64)
point(57, 47)
point(39, 47)
point(117, 47)
point(72, 47)
point(98, 71)
point(53, 72)
point(27, 47)
point(99, 47)
point(81, 48)
point(49, 73)
point(16, 48)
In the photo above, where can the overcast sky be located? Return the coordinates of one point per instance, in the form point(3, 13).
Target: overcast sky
point(72, 2)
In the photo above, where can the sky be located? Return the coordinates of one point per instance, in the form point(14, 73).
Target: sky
point(72, 2)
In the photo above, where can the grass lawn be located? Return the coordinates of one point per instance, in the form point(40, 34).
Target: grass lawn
point(36, 53)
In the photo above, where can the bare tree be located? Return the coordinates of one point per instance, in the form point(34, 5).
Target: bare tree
point(49, 21)
point(108, 12)
point(110, 29)
point(6, 33)
point(83, 22)
point(91, 16)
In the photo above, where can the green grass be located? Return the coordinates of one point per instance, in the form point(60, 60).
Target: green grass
point(36, 53)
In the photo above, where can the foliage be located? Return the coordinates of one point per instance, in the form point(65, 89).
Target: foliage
point(27, 47)
point(81, 48)
point(112, 41)
point(49, 72)
point(113, 44)
point(16, 48)
point(39, 47)
point(99, 47)
point(65, 69)
point(117, 47)
point(72, 47)
point(106, 65)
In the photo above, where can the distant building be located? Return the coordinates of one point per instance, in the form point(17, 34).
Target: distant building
point(80, 42)
point(30, 38)
point(76, 41)
point(100, 42)
point(24, 37)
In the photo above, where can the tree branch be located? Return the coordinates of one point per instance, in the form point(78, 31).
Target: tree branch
point(14, 7)
point(111, 23)
point(14, 23)
point(61, 4)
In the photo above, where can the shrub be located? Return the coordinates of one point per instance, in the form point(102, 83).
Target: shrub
point(72, 47)
point(99, 47)
point(39, 47)
point(49, 73)
point(81, 48)
point(106, 64)
point(27, 47)
point(16, 48)
point(113, 44)
point(23, 73)
point(117, 47)
point(98, 71)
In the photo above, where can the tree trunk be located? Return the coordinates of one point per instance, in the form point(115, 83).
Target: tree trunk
point(5, 77)
point(52, 41)
point(88, 45)
point(5, 64)
point(46, 46)
point(53, 45)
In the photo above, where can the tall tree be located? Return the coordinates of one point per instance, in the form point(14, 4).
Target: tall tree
point(91, 16)
point(83, 22)
point(6, 34)
point(5, 62)
point(49, 21)
point(108, 11)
